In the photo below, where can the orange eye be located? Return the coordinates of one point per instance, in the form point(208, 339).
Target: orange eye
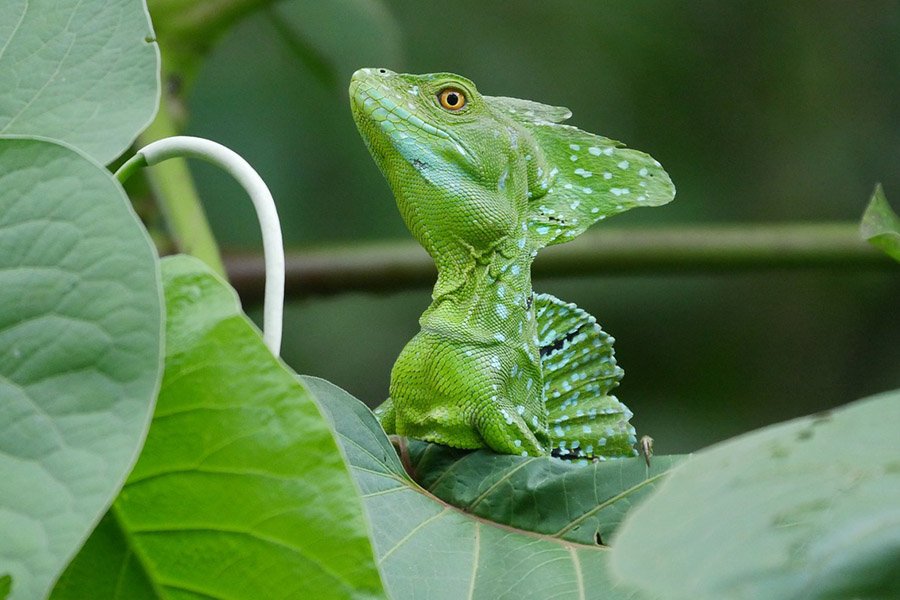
point(452, 99)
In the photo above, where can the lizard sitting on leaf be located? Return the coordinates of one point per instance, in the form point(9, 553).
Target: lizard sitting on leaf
point(483, 183)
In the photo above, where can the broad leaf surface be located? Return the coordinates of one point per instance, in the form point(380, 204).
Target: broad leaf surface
point(880, 225)
point(806, 509)
point(581, 503)
point(80, 353)
point(430, 550)
point(81, 71)
point(241, 490)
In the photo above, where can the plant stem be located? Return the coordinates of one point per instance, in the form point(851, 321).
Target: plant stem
point(182, 146)
point(388, 266)
point(174, 190)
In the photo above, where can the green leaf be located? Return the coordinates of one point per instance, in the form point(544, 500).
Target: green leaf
point(581, 503)
point(5, 586)
point(880, 226)
point(241, 490)
point(430, 550)
point(80, 353)
point(81, 71)
point(805, 509)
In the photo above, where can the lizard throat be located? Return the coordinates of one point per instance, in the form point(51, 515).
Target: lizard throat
point(491, 304)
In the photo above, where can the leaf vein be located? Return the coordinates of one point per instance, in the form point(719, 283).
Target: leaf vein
point(603, 505)
point(411, 533)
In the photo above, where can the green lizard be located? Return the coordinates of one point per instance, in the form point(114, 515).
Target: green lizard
point(483, 183)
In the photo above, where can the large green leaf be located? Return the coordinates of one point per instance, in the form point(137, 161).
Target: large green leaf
point(241, 490)
point(430, 550)
point(81, 71)
point(880, 226)
point(80, 353)
point(582, 503)
point(807, 509)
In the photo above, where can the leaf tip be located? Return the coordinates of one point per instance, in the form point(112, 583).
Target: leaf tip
point(880, 225)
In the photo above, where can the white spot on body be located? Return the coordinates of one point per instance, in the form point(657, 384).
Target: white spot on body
point(583, 173)
point(623, 164)
point(574, 147)
point(619, 191)
point(513, 138)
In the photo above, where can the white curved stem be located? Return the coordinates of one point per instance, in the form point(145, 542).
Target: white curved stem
point(244, 174)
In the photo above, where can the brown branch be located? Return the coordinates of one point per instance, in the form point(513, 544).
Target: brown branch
point(389, 266)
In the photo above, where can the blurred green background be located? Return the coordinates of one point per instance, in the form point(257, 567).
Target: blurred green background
point(761, 111)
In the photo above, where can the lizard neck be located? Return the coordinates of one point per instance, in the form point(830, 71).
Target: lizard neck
point(486, 298)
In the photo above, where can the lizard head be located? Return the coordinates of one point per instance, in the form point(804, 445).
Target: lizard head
point(446, 155)
point(470, 171)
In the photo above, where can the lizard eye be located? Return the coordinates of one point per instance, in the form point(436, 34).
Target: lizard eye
point(452, 99)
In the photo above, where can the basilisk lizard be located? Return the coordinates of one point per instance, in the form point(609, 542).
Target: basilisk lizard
point(483, 183)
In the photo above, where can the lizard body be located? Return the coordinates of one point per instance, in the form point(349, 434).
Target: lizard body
point(483, 183)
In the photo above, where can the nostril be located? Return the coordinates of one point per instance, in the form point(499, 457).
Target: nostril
point(382, 70)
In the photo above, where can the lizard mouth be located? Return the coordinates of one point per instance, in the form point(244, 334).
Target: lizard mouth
point(384, 107)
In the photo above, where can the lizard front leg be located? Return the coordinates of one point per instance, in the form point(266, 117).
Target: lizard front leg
point(466, 395)
point(505, 431)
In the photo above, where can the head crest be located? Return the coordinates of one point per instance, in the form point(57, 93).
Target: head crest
point(578, 178)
